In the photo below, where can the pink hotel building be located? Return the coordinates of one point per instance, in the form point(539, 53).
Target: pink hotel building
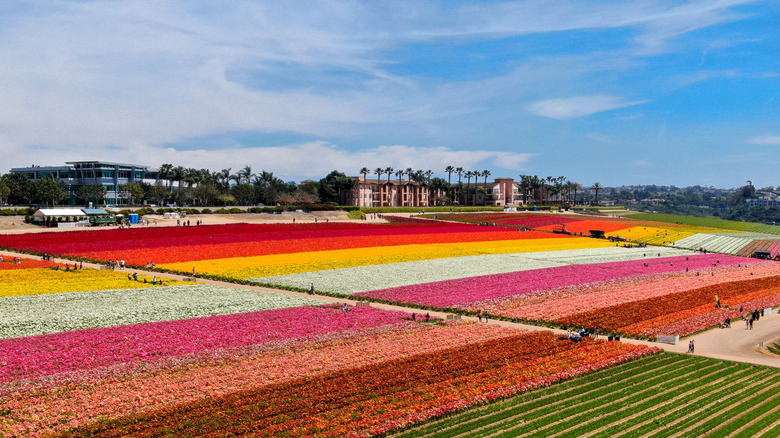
point(372, 193)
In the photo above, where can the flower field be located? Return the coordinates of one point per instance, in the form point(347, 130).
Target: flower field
point(300, 371)
point(93, 353)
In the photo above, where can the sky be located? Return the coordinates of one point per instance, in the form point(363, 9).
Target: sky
point(616, 92)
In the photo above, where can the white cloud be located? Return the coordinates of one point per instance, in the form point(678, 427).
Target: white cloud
point(580, 106)
point(766, 139)
point(295, 161)
point(599, 137)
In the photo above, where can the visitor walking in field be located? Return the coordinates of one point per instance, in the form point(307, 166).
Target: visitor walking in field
point(691, 346)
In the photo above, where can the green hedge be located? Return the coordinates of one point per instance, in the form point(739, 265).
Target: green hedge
point(356, 214)
point(17, 211)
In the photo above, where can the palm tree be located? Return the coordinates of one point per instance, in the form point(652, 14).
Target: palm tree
point(459, 171)
point(485, 173)
point(191, 176)
point(379, 172)
point(389, 172)
point(469, 174)
point(596, 187)
point(399, 174)
point(166, 170)
point(449, 170)
point(177, 174)
point(246, 174)
point(364, 171)
point(576, 186)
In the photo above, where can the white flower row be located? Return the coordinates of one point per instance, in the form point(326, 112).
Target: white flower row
point(375, 277)
point(714, 242)
point(50, 313)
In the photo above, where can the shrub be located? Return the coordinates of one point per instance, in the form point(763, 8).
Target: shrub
point(356, 214)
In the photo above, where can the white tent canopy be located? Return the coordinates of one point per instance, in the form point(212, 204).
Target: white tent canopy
point(59, 212)
point(44, 214)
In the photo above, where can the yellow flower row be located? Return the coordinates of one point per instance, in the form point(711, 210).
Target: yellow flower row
point(46, 281)
point(666, 238)
point(281, 264)
point(635, 233)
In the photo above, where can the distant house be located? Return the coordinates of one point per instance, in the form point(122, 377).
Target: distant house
point(403, 193)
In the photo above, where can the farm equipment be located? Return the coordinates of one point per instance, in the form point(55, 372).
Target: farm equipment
point(597, 234)
point(763, 255)
point(95, 221)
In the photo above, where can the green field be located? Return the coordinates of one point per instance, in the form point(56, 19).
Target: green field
point(661, 395)
point(711, 222)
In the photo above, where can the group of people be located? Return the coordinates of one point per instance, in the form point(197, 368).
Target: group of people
point(427, 317)
point(116, 264)
point(577, 336)
point(181, 223)
point(134, 277)
point(483, 314)
point(750, 319)
point(79, 267)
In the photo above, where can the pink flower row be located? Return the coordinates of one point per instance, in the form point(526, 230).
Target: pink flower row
point(35, 356)
point(527, 284)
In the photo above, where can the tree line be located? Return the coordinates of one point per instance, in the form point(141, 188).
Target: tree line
point(190, 186)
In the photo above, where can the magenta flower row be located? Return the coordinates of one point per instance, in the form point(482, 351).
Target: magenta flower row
point(524, 284)
point(81, 350)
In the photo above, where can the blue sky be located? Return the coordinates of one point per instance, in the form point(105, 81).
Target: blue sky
point(619, 92)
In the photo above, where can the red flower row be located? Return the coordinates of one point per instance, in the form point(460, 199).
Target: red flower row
point(141, 238)
point(616, 318)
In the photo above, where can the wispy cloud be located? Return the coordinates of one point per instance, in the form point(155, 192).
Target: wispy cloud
point(298, 161)
point(580, 106)
point(766, 139)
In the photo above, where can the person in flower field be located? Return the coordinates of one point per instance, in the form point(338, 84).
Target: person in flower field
point(479, 315)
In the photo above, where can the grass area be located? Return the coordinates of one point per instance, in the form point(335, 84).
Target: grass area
point(774, 348)
point(711, 222)
point(658, 396)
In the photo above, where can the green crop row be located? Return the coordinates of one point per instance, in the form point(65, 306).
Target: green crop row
point(585, 385)
point(607, 381)
point(641, 394)
point(661, 395)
